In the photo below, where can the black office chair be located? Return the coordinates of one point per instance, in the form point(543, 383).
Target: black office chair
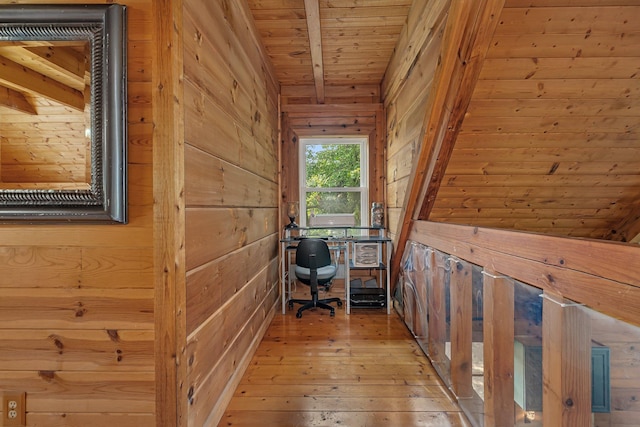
point(314, 268)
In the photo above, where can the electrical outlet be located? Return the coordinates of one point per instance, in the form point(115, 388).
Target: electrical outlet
point(14, 410)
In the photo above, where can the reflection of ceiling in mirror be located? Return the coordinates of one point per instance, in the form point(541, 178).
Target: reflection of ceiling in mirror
point(44, 114)
point(58, 71)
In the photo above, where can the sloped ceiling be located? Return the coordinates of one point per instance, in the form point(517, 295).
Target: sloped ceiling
point(551, 140)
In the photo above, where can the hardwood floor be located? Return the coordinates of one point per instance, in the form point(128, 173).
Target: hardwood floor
point(359, 370)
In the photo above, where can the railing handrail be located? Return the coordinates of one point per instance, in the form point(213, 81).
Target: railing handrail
point(602, 275)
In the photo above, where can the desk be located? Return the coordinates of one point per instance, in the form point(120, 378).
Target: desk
point(340, 240)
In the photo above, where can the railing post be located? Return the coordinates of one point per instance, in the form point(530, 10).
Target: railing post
point(421, 312)
point(566, 363)
point(499, 410)
point(461, 328)
point(437, 311)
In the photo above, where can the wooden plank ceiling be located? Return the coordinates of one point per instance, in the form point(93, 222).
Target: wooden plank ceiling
point(551, 139)
point(328, 43)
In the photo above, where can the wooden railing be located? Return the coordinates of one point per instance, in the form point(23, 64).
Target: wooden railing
point(602, 275)
point(569, 274)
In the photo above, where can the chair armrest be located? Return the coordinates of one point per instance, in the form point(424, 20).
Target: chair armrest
point(313, 267)
point(313, 273)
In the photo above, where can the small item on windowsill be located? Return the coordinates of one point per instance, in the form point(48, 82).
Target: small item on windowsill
point(377, 215)
point(292, 213)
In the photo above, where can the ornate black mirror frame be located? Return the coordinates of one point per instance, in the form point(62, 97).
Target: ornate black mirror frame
point(104, 28)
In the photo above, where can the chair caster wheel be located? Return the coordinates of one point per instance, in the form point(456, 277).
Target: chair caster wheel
point(332, 314)
point(290, 305)
point(298, 315)
point(339, 303)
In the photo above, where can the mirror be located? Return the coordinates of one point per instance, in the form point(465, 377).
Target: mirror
point(63, 139)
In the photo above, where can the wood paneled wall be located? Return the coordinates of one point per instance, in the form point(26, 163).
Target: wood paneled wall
point(623, 341)
point(405, 92)
point(231, 201)
point(77, 300)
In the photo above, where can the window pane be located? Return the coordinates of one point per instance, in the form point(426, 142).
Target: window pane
point(337, 202)
point(333, 165)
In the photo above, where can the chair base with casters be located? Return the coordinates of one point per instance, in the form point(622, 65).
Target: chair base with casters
point(315, 302)
point(314, 268)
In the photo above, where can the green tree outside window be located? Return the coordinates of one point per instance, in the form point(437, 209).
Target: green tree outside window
point(333, 166)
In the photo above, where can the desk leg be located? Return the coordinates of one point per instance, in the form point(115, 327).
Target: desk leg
point(289, 276)
point(283, 290)
point(347, 278)
point(388, 274)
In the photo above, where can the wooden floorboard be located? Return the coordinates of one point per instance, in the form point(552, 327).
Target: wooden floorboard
point(360, 370)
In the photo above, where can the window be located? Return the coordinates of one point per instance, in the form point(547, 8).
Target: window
point(334, 181)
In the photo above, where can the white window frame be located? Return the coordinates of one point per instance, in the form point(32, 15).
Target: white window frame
point(364, 175)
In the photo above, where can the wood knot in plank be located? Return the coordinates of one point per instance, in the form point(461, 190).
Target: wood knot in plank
point(48, 376)
point(190, 395)
point(113, 335)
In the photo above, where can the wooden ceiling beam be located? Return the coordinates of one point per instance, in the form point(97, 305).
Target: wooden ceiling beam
point(63, 64)
point(20, 78)
point(312, 9)
point(468, 32)
point(16, 101)
point(70, 64)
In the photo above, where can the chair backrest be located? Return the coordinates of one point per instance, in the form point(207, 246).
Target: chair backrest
point(313, 246)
